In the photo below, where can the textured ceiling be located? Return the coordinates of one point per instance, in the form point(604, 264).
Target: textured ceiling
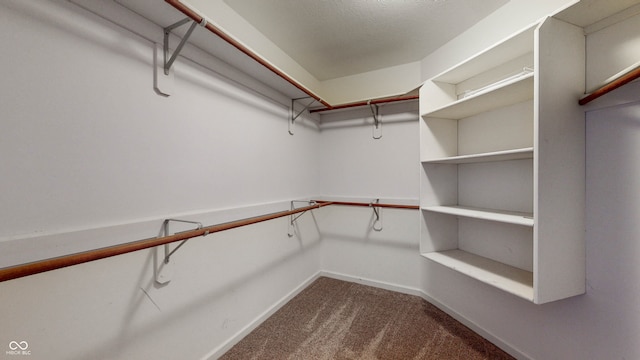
point(337, 38)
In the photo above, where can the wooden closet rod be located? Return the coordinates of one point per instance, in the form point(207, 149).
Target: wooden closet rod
point(348, 203)
point(622, 80)
point(365, 103)
point(36, 267)
point(178, 5)
point(197, 18)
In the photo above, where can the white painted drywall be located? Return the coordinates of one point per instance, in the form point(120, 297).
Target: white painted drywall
point(87, 143)
point(237, 27)
point(390, 81)
point(96, 89)
point(90, 155)
point(501, 24)
point(353, 164)
point(382, 83)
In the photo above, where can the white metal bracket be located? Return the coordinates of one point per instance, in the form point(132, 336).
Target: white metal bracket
point(293, 116)
point(377, 223)
point(162, 84)
point(163, 77)
point(377, 123)
point(167, 31)
point(294, 217)
point(164, 268)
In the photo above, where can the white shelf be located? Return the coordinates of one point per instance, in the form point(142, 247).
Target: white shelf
point(516, 154)
point(514, 141)
point(507, 93)
point(508, 278)
point(508, 217)
point(517, 45)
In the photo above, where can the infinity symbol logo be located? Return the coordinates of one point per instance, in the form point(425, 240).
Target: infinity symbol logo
point(22, 345)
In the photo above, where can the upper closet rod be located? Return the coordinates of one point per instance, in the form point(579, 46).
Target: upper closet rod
point(197, 18)
point(365, 103)
point(622, 80)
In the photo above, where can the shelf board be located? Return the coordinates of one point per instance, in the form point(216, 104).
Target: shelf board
point(517, 45)
point(508, 278)
point(510, 92)
point(515, 154)
point(508, 217)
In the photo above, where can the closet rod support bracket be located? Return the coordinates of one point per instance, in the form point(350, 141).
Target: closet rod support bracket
point(377, 123)
point(164, 268)
point(167, 250)
point(295, 116)
point(292, 218)
point(377, 223)
point(168, 61)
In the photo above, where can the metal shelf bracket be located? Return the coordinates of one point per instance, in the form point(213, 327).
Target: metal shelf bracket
point(377, 123)
point(167, 249)
point(164, 270)
point(293, 114)
point(377, 223)
point(167, 31)
point(294, 217)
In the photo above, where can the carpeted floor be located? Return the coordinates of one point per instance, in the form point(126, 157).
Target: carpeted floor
point(333, 319)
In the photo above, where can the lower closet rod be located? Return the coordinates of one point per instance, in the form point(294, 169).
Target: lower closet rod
point(37, 267)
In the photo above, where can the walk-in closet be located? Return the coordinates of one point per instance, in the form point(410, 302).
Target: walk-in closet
point(273, 179)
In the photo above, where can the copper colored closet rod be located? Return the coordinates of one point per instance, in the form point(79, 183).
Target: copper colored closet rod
point(18, 271)
point(178, 5)
point(391, 206)
point(365, 103)
point(197, 18)
point(622, 80)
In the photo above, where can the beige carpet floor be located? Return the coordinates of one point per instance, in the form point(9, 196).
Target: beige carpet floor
point(333, 319)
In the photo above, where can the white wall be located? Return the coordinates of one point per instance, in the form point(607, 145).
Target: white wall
point(91, 156)
point(368, 168)
point(354, 166)
point(83, 129)
point(96, 157)
point(71, 102)
point(504, 22)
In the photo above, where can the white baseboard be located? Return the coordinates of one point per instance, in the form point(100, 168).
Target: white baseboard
point(506, 347)
point(369, 282)
point(226, 346)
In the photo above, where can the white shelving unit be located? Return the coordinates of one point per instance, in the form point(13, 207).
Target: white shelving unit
point(502, 163)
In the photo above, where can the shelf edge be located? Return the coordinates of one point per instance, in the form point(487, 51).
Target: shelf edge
point(503, 155)
point(485, 93)
point(488, 271)
point(506, 217)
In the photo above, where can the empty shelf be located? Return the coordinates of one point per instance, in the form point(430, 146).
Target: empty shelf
point(510, 92)
point(509, 217)
point(508, 278)
point(516, 154)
